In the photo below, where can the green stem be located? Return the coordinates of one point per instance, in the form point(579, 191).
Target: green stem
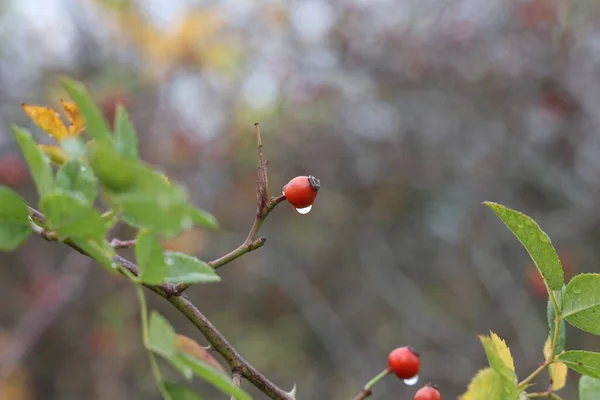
point(146, 340)
point(366, 391)
point(377, 378)
point(532, 376)
point(553, 344)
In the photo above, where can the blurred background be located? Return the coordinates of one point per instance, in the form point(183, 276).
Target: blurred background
point(410, 112)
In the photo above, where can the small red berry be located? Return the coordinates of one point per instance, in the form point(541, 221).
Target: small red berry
point(302, 191)
point(404, 362)
point(428, 392)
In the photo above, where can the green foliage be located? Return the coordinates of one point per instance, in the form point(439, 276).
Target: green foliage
point(182, 268)
point(125, 137)
point(488, 384)
point(584, 362)
point(140, 196)
point(178, 392)
point(202, 218)
point(581, 303)
point(536, 242)
point(161, 336)
point(76, 177)
point(38, 162)
point(14, 220)
point(115, 173)
point(72, 217)
point(96, 125)
point(101, 251)
point(589, 388)
point(150, 258)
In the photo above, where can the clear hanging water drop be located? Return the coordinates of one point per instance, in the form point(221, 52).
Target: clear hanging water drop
point(412, 381)
point(304, 210)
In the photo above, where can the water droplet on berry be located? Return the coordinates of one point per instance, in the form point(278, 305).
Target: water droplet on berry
point(412, 381)
point(304, 210)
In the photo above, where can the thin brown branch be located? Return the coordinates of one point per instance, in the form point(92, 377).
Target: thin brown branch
point(264, 206)
point(250, 244)
point(39, 219)
point(223, 347)
point(187, 308)
point(262, 182)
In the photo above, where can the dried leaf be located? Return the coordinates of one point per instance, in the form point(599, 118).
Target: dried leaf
point(189, 346)
point(74, 116)
point(48, 120)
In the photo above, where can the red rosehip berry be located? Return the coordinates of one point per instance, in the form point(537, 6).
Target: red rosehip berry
point(428, 392)
point(404, 362)
point(302, 191)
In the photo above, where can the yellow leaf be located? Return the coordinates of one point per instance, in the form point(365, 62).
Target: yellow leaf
point(558, 371)
point(488, 385)
point(503, 351)
point(48, 120)
point(74, 116)
point(498, 355)
point(55, 153)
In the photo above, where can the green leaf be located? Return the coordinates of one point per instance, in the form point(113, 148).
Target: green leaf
point(584, 362)
point(71, 216)
point(202, 218)
point(499, 356)
point(214, 377)
point(161, 336)
point(114, 172)
point(77, 177)
point(182, 268)
point(581, 303)
point(14, 220)
point(178, 392)
point(152, 202)
point(183, 369)
point(536, 242)
point(125, 136)
point(38, 162)
point(150, 258)
point(96, 125)
point(164, 217)
point(589, 388)
point(101, 251)
point(488, 384)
